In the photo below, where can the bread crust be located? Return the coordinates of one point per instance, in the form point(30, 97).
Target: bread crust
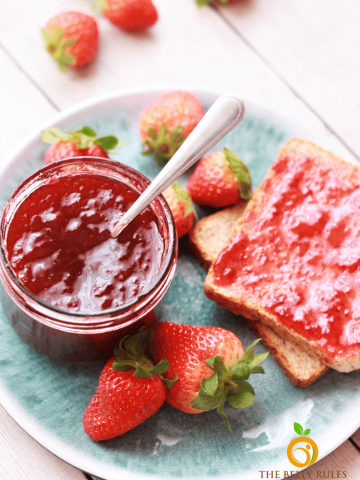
point(301, 368)
point(254, 312)
point(210, 234)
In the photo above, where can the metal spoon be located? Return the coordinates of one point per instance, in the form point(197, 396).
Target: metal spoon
point(222, 117)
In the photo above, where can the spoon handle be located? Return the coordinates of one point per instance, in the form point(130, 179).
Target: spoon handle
point(222, 117)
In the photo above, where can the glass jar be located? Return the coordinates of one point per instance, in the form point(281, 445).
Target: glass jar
point(82, 336)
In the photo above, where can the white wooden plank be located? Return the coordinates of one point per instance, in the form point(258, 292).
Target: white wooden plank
point(314, 46)
point(23, 107)
point(345, 459)
point(356, 437)
point(22, 457)
point(187, 45)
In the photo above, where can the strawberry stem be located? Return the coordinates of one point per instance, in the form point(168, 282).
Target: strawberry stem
point(58, 48)
point(83, 137)
point(241, 172)
point(131, 355)
point(229, 384)
point(163, 145)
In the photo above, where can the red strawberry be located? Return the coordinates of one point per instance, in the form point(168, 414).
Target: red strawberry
point(211, 366)
point(130, 390)
point(130, 15)
point(181, 207)
point(219, 180)
point(167, 121)
point(72, 39)
point(81, 143)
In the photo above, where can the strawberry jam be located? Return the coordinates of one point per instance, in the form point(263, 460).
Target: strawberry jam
point(59, 245)
point(297, 254)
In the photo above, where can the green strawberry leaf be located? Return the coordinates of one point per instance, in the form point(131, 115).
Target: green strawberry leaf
point(58, 49)
point(241, 400)
point(241, 172)
point(107, 143)
point(52, 37)
point(66, 59)
point(62, 67)
point(83, 137)
point(161, 367)
point(169, 383)
point(87, 131)
point(159, 159)
point(163, 134)
point(83, 141)
point(67, 43)
point(229, 384)
point(241, 370)
point(123, 365)
point(177, 134)
point(200, 4)
point(259, 358)
point(307, 431)
point(249, 352)
point(210, 384)
point(220, 411)
point(163, 145)
point(131, 354)
point(298, 428)
point(183, 196)
point(257, 370)
point(243, 385)
point(53, 135)
point(216, 363)
point(153, 134)
point(136, 344)
point(119, 351)
point(204, 401)
point(147, 153)
point(140, 372)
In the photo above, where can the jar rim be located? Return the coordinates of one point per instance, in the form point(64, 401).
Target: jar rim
point(127, 174)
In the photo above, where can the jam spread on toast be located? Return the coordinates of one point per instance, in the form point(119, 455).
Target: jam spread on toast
point(59, 244)
point(297, 253)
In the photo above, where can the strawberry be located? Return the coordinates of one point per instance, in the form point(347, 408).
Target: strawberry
point(211, 365)
point(167, 121)
point(83, 142)
point(219, 180)
point(130, 390)
point(181, 207)
point(72, 39)
point(130, 15)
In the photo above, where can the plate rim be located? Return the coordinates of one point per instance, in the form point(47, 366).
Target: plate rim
point(327, 443)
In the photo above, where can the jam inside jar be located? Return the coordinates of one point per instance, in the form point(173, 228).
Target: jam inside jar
point(70, 290)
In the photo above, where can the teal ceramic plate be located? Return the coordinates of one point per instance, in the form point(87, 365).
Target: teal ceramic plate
point(47, 398)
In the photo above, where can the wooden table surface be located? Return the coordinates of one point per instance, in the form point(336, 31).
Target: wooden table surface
point(300, 56)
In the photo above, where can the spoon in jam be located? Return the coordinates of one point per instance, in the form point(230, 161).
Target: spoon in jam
point(222, 117)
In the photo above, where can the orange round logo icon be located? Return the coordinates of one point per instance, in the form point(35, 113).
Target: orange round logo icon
point(311, 450)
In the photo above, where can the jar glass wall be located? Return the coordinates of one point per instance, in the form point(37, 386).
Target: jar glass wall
point(72, 335)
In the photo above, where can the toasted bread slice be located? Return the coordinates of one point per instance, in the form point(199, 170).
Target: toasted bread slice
point(292, 261)
point(301, 368)
point(206, 240)
point(210, 234)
